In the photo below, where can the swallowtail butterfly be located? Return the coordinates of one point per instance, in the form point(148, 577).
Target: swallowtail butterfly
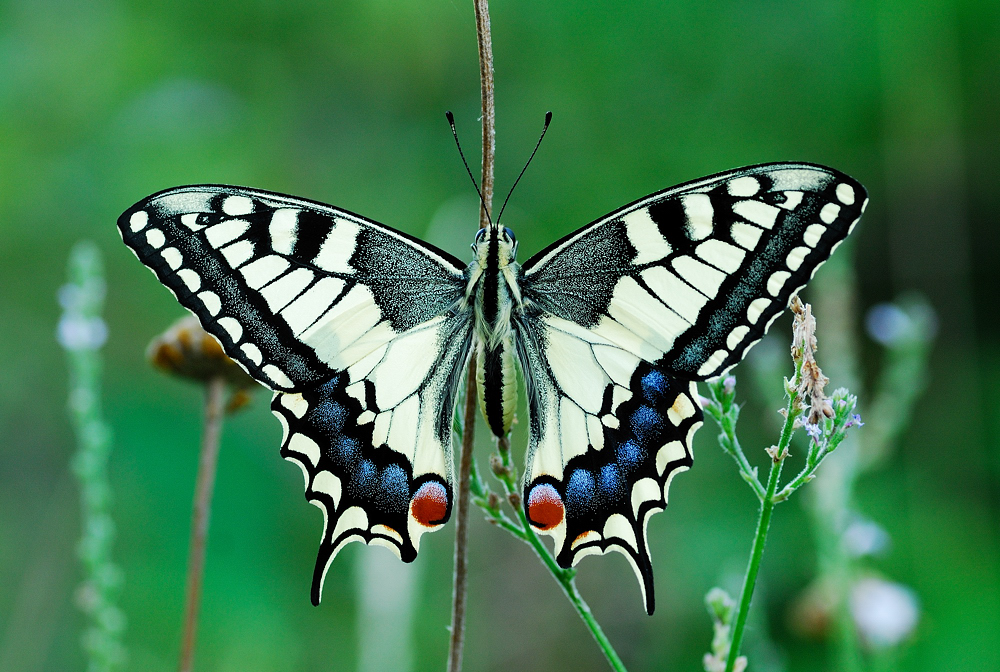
point(363, 333)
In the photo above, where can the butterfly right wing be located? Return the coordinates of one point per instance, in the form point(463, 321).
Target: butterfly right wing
point(623, 314)
point(357, 327)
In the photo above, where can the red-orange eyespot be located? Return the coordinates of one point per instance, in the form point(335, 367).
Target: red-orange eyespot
point(545, 507)
point(429, 505)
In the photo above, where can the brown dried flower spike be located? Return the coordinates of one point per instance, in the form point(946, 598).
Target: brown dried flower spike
point(188, 351)
point(804, 347)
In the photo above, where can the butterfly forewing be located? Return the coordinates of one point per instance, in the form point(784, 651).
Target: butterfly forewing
point(294, 290)
point(357, 328)
point(623, 314)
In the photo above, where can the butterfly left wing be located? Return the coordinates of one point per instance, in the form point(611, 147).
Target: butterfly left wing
point(374, 442)
point(622, 315)
point(356, 326)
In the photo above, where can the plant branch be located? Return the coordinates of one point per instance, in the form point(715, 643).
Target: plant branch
point(488, 107)
point(215, 390)
point(792, 412)
point(722, 408)
point(469, 414)
point(457, 639)
point(505, 472)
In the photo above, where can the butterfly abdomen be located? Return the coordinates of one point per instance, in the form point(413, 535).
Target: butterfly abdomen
point(497, 384)
point(494, 297)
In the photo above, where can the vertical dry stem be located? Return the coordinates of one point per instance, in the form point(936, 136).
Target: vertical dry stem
point(469, 412)
point(214, 411)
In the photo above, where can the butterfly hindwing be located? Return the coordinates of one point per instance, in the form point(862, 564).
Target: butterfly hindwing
point(624, 313)
point(354, 325)
point(376, 453)
point(609, 432)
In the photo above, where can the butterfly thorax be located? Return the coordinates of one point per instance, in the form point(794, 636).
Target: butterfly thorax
point(494, 295)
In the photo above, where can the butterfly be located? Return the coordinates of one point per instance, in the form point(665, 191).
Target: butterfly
point(363, 333)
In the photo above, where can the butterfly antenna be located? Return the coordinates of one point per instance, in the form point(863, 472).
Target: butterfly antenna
point(451, 122)
point(548, 119)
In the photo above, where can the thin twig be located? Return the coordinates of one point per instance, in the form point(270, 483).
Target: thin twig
point(489, 108)
point(462, 523)
point(214, 412)
point(469, 413)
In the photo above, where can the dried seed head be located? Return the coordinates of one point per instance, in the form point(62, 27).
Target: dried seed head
point(493, 501)
point(515, 500)
point(188, 351)
point(775, 456)
point(812, 382)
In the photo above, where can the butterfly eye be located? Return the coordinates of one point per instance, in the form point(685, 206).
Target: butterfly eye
point(509, 234)
point(481, 235)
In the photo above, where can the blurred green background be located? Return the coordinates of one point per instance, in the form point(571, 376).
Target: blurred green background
point(104, 102)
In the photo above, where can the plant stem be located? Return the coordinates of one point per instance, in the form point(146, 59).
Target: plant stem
point(469, 415)
point(214, 412)
point(725, 413)
point(753, 567)
point(82, 333)
point(457, 639)
point(488, 107)
point(564, 576)
point(763, 523)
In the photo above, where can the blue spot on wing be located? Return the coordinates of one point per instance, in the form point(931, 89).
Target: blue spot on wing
point(394, 492)
point(630, 456)
point(647, 424)
point(655, 386)
point(345, 452)
point(332, 415)
point(610, 485)
point(580, 493)
point(364, 478)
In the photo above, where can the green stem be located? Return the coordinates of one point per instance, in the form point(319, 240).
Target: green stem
point(565, 579)
point(563, 576)
point(763, 523)
point(725, 414)
point(750, 581)
point(748, 473)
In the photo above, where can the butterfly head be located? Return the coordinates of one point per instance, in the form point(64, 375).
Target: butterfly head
point(498, 238)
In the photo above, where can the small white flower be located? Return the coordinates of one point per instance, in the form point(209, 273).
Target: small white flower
point(885, 612)
point(864, 537)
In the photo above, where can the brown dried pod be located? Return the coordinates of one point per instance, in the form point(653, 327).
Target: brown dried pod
point(188, 351)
